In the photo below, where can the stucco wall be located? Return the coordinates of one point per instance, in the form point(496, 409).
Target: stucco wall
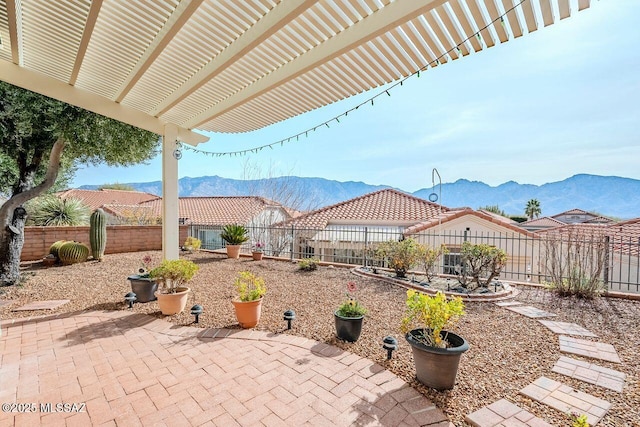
point(120, 238)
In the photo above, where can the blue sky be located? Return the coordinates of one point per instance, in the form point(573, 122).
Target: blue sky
point(560, 101)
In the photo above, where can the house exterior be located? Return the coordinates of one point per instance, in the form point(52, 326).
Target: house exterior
point(576, 216)
point(624, 268)
point(454, 227)
point(544, 223)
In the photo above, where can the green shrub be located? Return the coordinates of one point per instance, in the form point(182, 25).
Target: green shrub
point(481, 263)
point(400, 256)
point(308, 264)
point(53, 211)
point(234, 234)
point(433, 314)
point(173, 274)
point(428, 257)
point(192, 244)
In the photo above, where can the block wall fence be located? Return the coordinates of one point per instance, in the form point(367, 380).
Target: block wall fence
point(120, 238)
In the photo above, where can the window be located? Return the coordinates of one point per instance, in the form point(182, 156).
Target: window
point(211, 239)
point(451, 262)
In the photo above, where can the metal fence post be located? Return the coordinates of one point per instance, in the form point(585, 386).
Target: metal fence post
point(292, 240)
point(606, 261)
point(366, 244)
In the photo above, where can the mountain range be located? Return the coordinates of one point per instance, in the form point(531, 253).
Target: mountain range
point(606, 195)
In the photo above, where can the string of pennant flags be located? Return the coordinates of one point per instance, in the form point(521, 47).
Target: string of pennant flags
point(368, 101)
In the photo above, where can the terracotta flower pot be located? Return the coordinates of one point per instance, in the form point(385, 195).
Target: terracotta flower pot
point(257, 256)
point(437, 367)
point(233, 251)
point(171, 304)
point(248, 312)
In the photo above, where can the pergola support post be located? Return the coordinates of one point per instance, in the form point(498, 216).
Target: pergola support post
point(170, 226)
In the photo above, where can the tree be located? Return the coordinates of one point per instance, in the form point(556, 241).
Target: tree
point(41, 140)
point(117, 186)
point(533, 209)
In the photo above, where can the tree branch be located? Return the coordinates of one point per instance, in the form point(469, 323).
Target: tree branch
point(6, 210)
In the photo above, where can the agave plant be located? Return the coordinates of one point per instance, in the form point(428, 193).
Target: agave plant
point(234, 234)
point(54, 211)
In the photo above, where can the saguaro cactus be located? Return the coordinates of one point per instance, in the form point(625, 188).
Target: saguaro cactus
point(73, 252)
point(98, 233)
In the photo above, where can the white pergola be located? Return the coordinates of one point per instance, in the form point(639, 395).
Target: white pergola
point(171, 66)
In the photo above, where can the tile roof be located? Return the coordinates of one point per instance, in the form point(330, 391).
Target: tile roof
point(212, 210)
point(498, 216)
point(577, 229)
point(454, 214)
point(97, 198)
point(625, 236)
point(384, 206)
point(544, 222)
point(573, 212)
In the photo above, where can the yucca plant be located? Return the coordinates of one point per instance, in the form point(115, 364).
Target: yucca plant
point(234, 234)
point(54, 211)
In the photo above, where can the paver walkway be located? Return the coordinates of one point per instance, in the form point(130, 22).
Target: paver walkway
point(529, 311)
point(504, 413)
point(566, 328)
point(566, 399)
point(42, 305)
point(122, 368)
point(508, 303)
point(595, 350)
point(590, 373)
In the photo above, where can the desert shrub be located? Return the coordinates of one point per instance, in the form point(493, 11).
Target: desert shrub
point(481, 263)
point(308, 264)
point(192, 244)
point(400, 256)
point(428, 258)
point(53, 211)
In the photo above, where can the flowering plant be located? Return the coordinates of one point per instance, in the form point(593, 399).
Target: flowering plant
point(258, 246)
point(351, 307)
point(143, 271)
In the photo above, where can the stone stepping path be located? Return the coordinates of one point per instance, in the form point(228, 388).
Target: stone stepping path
point(594, 350)
point(566, 399)
point(504, 413)
point(529, 311)
point(565, 328)
point(42, 305)
point(508, 303)
point(3, 303)
point(590, 373)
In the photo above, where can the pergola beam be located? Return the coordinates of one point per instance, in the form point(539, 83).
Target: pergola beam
point(365, 30)
point(59, 90)
point(92, 17)
point(14, 34)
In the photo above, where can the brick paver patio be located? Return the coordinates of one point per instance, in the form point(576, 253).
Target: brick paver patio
point(122, 368)
point(529, 311)
point(595, 350)
point(565, 328)
point(566, 399)
point(504, 413)
point(590, 373)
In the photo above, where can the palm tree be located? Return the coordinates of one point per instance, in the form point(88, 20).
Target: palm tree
point(533, 209)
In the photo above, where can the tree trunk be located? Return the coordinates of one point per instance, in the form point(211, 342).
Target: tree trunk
point(11, 244)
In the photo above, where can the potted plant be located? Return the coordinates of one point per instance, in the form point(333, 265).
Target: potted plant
point(234, 236)
point(141, 284)
point(171, 276)
point(256, 252)
point(248, 305)
point(348, 317)
point(436, 352)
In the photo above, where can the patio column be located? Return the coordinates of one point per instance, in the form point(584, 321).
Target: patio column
point(170, 229)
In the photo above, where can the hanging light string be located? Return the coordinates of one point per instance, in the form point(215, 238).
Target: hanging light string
point(370, 100)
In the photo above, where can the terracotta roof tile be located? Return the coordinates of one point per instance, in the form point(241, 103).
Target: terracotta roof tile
point(454, 214)
point(573, 212)
point(385, 206)
point(625, 236)
point(97, 198)
point(544, 222)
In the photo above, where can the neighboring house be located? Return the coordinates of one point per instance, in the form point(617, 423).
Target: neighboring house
point(341, 232)
point(544, 223)
point(95, 199)
point(454, 227)
point(575, 216)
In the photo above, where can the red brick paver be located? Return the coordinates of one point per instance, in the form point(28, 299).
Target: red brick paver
point(504, 413)
point(566, 399)
point(595, 350)
point(565, 328)
point(590, 373)
point(130, 369)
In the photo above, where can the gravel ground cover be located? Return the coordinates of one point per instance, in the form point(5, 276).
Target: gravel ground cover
point(508, 351)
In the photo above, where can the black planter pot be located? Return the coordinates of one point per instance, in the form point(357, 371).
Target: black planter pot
point(348, 328)
point(143, 287)
point(437, 367)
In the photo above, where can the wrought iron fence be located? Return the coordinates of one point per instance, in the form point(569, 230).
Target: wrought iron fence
point(544, 258)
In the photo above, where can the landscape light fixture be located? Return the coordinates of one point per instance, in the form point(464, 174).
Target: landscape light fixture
point(196, 311)
point(390, 344)
point(130, 298)
point(289, 316)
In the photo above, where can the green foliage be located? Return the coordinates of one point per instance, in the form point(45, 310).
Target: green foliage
point(55, 248)
point(308, 264)
point(192, 243)
point(518, 218)
point(400, 256)
point(579, 420)
point(73, 252)
point(351, 307)
point(428, 257)
point(173, 274)
point(98, 233)
point(234, 234)
point(532, 209)
point(578, 284)
point(52, 211)
point(494, 209)
point(249, 286)
point(117, 186)
point(481, 263)
point(433, 314)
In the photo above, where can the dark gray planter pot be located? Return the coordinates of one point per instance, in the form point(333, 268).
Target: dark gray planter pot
point(437, 367)
point(143, 287)
point(348, 328)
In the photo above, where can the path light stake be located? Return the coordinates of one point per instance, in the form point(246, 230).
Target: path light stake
point(448, 284)
point(196, 311)
point(390, 344)
point(130, 298)
point(289, 315)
